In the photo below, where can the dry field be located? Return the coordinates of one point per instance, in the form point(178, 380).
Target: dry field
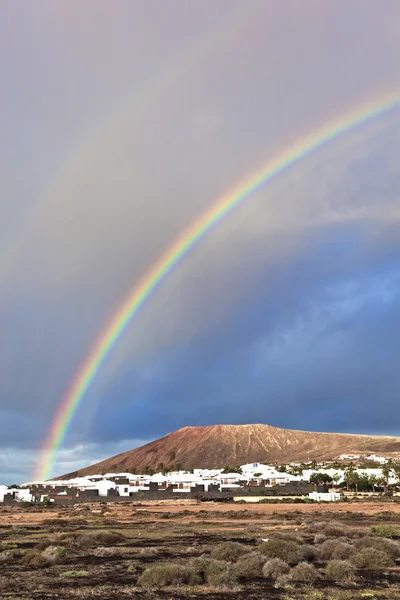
point(183, 550)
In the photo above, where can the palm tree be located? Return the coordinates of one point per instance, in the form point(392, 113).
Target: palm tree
point(373, 481)
point(386, 469)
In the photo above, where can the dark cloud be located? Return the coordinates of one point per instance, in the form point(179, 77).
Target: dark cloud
point(286, 312)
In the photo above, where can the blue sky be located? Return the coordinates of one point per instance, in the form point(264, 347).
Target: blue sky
point(123, 123)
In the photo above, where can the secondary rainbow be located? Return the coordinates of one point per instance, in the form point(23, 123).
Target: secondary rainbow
point(175, 253)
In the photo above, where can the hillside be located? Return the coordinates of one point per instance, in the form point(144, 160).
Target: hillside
point(219, 445)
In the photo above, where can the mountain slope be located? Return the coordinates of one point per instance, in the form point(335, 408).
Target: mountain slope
point(219, 445)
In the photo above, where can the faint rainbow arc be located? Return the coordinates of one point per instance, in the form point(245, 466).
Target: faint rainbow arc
point(180, 248)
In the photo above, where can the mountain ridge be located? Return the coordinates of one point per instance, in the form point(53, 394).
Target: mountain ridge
point(215, 446)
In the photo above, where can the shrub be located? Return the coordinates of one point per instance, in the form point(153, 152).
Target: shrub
point(97, 538)
point(54, 554)
point(371, 558)
point(275, 567)
point(33, 559)
point(166, 574)
point(229, 551)
point(290, 537)
point(319, 538)
point(209, 569)
point(283, 581)
point(224, 579)
point(308, 552)
point(304, 573)
point(250, 565)
point(6, 556)
point(333, 529)
point(340, 570)
point(387, 531)
point(391, 547)
point(103, 551)
point(285, 550)
point(335, 549)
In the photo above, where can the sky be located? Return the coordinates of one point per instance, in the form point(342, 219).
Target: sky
point(122, 122)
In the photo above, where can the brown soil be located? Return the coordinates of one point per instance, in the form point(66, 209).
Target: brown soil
point(158, 532)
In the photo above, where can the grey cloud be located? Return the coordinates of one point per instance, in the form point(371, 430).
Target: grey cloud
point(107, 161)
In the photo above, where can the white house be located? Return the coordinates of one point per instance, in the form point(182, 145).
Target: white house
point(3, 492)
point(379, 459)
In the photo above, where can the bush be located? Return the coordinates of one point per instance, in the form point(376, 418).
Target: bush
point(333, 529)
point(229, 551)
point(102, 551)
point(304, 573)
point(54, 554)
point(34, 559)
point(335, 549)
point(315, 526)
point(250, 565)
point(6, 556)
point(340, 570)
point(387, 531)
point(371, 558)
point(283, 581)
point(285, 550)
point(166, 574)
point(308, 552)
point(94, 538)
point(275, 567)
point(224, 579)
point(319, 538)
point(391, 547)
point(216, 573)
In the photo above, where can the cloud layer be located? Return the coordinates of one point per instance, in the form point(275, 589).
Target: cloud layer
point(124, 126)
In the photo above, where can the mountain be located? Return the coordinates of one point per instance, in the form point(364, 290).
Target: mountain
point(220, 445)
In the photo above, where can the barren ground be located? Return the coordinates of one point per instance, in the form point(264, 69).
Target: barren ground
point(164, 532)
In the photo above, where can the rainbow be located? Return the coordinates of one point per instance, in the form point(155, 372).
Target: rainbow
point(177, 252)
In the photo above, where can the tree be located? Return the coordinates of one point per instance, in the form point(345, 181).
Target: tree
point(320, 478)
point(336, 478)
point(296, 470)
point(351, 477)
point(373, 482)
point(148, 470)
point(386, 469)
point(364, 484)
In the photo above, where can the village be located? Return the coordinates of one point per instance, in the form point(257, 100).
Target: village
point(326, 482)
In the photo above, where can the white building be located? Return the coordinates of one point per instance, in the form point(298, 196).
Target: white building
point(324, 496)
